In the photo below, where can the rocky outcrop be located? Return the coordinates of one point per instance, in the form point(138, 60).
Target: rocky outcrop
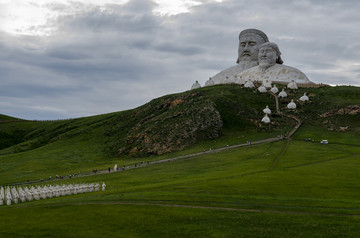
point(349, 110)
point(174, 125)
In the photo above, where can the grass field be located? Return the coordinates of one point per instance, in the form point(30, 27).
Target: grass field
point(297, 195)
point(289, 188)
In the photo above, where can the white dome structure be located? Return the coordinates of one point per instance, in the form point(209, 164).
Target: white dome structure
point(282, 94)
point(267, 83)
point(249, 84)
point(265, 119)
point(291, 105)
point(267, 110)
point(274, 89)
point(195, 85)
point(262, 89)
point(304, 98)
point(292, 85)
point(210, 82)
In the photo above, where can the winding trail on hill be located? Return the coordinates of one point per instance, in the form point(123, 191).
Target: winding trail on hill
point(276, 102)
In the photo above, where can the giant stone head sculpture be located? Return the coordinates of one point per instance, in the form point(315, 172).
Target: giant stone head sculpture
point(249, 42)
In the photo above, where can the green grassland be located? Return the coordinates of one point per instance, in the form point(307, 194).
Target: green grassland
point(298, 197)
point(289, 188)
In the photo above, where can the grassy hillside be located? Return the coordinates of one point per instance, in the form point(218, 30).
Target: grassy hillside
point(176, 124)
point(289, 188)
point(311, 190)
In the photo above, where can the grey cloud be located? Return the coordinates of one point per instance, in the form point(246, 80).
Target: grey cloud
point(67, 54)
point(26, 90)
point(184, 50)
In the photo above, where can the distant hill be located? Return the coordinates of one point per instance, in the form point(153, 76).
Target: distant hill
point(177, 121)
point(7, 118)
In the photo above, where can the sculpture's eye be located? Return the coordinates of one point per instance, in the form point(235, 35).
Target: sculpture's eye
point(242, 44)
point(252, 43)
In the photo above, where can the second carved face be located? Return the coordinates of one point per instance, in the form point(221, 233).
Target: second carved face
point(267, 56)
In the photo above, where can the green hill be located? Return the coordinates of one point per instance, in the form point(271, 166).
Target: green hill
point(176, 124)
point(288, 188)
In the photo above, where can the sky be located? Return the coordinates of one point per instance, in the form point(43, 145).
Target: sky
point(64, 59)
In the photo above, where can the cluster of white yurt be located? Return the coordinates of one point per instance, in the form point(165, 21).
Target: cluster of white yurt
point(11, 195)
point(292, 104)
point(263, 88)
point(266, 118)
point(248, 83)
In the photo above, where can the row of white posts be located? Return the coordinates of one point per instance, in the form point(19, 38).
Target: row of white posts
point(14, 194)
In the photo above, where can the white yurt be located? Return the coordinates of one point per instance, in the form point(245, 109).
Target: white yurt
point(291, 105)
point(282, 94)
point(265, 119)
point(195, 85)
point(210, 82)
point(262, 89)
point(274, 89)
point(304, 98)
point(292, 85)
point(267, 110)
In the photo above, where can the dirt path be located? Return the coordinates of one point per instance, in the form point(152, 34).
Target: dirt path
point(276, 102)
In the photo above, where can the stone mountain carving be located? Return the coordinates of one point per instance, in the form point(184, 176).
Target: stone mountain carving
point(258, 66)
point(271, 68)
point(248, 50)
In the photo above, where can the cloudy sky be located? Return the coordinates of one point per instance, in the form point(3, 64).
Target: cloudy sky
point(65, 59)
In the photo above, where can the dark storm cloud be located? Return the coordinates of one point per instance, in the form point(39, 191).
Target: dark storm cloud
point(111, 58)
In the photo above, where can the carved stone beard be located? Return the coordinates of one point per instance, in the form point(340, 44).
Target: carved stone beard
point(263, 66)
point(245, 64)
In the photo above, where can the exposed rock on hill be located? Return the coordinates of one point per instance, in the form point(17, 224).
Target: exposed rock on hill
point(174, 125)
point(349, 110)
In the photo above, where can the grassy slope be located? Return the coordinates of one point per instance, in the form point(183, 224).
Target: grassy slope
point(296, 176)
point(238, 178)
point(37, 150)
point(41, 149)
